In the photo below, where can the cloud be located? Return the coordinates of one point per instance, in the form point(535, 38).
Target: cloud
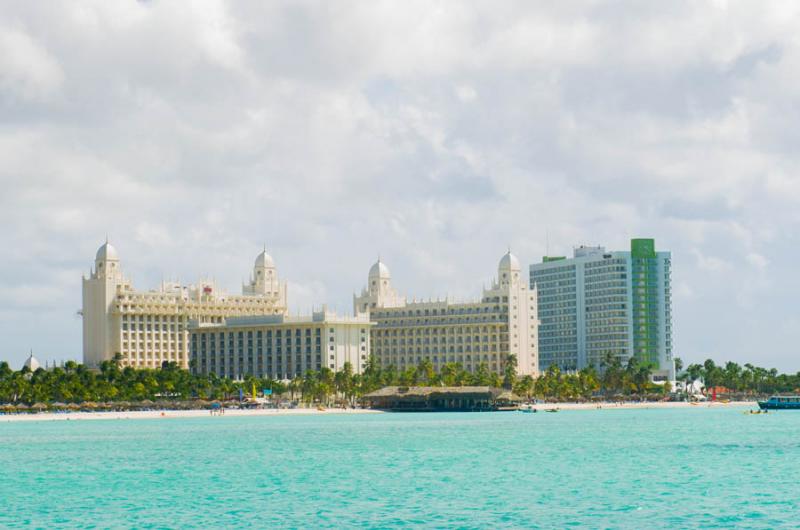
point(757, 260)
point(27, 70)
point(435, 135)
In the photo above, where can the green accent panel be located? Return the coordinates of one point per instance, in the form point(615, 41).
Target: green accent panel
point(643, 248)
point(547, 259)
point(644, 282)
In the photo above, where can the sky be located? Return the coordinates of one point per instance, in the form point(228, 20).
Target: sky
point(433, 134)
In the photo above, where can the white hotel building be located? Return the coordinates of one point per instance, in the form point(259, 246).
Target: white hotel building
point(503, 322)
point(600, 303)
point(147, 328)
point(279, 346)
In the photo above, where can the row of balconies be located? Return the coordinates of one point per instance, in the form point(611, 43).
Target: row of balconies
point(378, 332)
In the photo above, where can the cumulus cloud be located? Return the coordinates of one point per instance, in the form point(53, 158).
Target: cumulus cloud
point(435, 134)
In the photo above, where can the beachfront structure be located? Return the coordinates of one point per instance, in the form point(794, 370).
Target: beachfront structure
point(433, 398)
point(148, 328)
point(599, 303)
point(502, 323)
point(279, 346)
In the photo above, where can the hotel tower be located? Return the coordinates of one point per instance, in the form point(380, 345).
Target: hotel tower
point(148, 328)
point(503, 322)
point(600, 303)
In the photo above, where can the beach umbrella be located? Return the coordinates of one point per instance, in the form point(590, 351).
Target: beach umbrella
point(58, 405)
point(122, 404)
point(73, 406)
point(39, 406)
point(21, 406)
point(88, 405)
point(7, 406)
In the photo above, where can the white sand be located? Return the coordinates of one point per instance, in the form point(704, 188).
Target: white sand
point(644, 405)
point(166, 414)
point(232, 413)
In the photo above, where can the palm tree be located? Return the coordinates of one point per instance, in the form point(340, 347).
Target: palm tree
point(425, 371)
point(510, 371)
point(448, 374)
point(678, 365)
point(482, 375)
point(524, 386)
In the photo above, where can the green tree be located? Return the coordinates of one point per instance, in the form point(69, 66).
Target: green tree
point(510, 371)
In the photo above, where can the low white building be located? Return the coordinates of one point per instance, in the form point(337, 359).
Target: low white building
point(147, 328)
point(503, 322)
point(279, 346)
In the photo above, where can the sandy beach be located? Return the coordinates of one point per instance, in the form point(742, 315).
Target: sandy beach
point(172, 414)
point(644, 405)
point(232, 413)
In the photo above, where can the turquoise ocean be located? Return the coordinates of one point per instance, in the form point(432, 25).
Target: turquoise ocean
point(640, 469)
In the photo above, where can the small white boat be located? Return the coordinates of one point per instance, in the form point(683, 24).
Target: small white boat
point(527, 408)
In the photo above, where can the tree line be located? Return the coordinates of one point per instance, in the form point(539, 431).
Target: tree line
point(75, 383)
point(744, 379)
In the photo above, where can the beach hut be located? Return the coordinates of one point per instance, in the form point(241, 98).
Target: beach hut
point(507, 400)
point(424, 399)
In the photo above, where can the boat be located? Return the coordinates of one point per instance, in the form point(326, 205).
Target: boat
point(551, 410)
point(527, 409)
point(780, 403)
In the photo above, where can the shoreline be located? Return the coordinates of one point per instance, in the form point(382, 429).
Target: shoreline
point(611, 405)
point(171, 414)
point(204, 413)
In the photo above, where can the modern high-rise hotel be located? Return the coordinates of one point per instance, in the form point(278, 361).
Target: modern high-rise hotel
point(605, 302)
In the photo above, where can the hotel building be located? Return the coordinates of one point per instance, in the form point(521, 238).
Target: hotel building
point(502, 323)
point(599, 303)
point(147, 328)
point(279, 346)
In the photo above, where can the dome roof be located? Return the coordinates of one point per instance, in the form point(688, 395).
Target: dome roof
point(33, 363)
point(509, 262)
point(106, 252)
point(379, 270)
point(265, 260)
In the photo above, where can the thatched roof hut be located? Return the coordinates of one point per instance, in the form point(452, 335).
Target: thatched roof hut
point(433, 398)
